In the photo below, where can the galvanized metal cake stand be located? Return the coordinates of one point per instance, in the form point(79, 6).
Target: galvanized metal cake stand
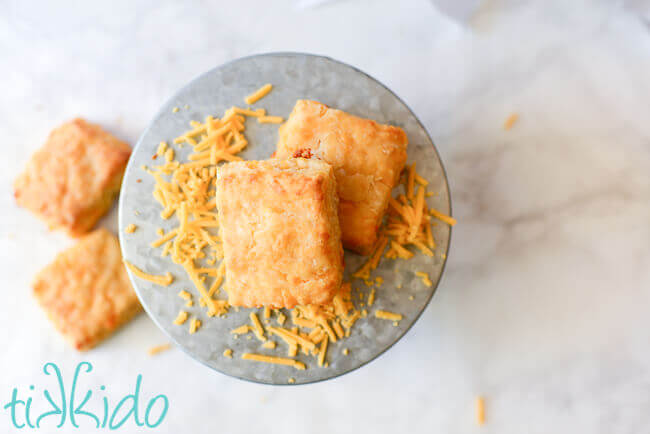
point(294, 76)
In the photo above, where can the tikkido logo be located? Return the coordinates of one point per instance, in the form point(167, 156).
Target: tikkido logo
point(63, 408)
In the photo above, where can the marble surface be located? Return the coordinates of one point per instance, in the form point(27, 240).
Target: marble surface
point(543, 306)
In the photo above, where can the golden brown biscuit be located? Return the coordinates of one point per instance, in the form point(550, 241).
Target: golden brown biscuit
point(86, 292)
point(72, 180)
point(367, 158)
point(280, 231)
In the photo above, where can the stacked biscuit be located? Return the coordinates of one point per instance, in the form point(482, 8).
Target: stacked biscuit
point(70, 183)
point(284, 221)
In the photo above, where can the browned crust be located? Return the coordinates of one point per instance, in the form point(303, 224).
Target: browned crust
point(86, 292)
point(367, 158)
point(280, 232)
point(73, 179)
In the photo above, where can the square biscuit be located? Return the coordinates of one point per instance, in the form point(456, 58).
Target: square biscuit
point(86, 292)
point(72, 180)
point(280, 231)
point(367, 158)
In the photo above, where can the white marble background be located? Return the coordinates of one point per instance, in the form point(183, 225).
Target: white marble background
point(544, 305)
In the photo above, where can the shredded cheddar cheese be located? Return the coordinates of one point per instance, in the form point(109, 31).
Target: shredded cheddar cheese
point(181, 318)
point(158, 349)
point(241, 330)
point(445, 218)
point(276, 360)
point(194, 325)
point(259, 94)
point(390, 316)
point(480, 410)
point(130, 228)
point(510, 121)
point(269, 345)
point(425, 278)
point(371, 297)
point(165, 280)
point(270, 120)
point(322, 352)
point(227, 353)
point(257, 327)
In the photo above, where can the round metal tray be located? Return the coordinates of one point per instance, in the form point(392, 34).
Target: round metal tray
point(294, 76)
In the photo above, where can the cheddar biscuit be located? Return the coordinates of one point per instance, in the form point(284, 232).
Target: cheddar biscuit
point(367, 158)
point(280, 231)
point(86, 292)
point(72, 180)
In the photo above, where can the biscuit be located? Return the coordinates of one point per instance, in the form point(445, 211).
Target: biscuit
point(280, 231)
point(72, 180)
point(367, 158)
point(86, 292)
